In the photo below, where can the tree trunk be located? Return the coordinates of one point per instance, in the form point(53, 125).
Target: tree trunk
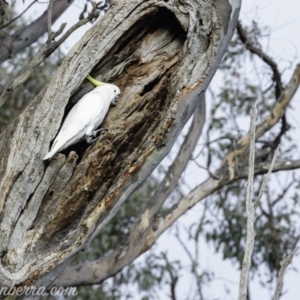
point(162, 55)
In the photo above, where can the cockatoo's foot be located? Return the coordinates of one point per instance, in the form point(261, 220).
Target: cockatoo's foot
point(94, 135)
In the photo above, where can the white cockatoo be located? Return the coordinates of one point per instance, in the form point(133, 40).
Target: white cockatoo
point(85, 116)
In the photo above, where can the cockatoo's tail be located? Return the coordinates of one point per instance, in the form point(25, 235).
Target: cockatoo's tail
point(94, 81)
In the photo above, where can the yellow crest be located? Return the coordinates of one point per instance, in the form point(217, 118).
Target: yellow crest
point(94, 81)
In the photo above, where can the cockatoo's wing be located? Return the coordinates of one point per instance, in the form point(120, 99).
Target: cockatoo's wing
point(86, 115)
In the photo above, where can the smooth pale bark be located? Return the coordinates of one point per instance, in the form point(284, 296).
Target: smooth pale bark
point(162, 55)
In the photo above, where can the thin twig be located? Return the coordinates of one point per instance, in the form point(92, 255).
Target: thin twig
point(183, 244)
point(267, 59)
point(204, 168)
point(266, 178)
point(174, 278)
point(286, 261)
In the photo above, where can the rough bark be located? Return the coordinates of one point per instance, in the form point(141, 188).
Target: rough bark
point(162, 55)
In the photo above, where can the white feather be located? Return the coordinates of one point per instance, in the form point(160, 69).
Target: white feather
point(85, 116)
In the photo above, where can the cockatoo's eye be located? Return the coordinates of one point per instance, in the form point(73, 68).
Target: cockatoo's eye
point(115, 91)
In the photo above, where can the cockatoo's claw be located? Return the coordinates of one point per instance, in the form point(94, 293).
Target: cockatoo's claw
point(99, 132)
point(94, 135)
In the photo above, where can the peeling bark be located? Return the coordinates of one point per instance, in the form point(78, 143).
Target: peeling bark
point(162, 55)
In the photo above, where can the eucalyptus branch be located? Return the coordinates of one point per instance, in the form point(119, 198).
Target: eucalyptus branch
point(262, 168)
point(251, 208)
point(285, 263)
point(49, 20)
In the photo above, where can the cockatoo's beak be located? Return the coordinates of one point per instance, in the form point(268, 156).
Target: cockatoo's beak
point(115, 100)
point(94, 81)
